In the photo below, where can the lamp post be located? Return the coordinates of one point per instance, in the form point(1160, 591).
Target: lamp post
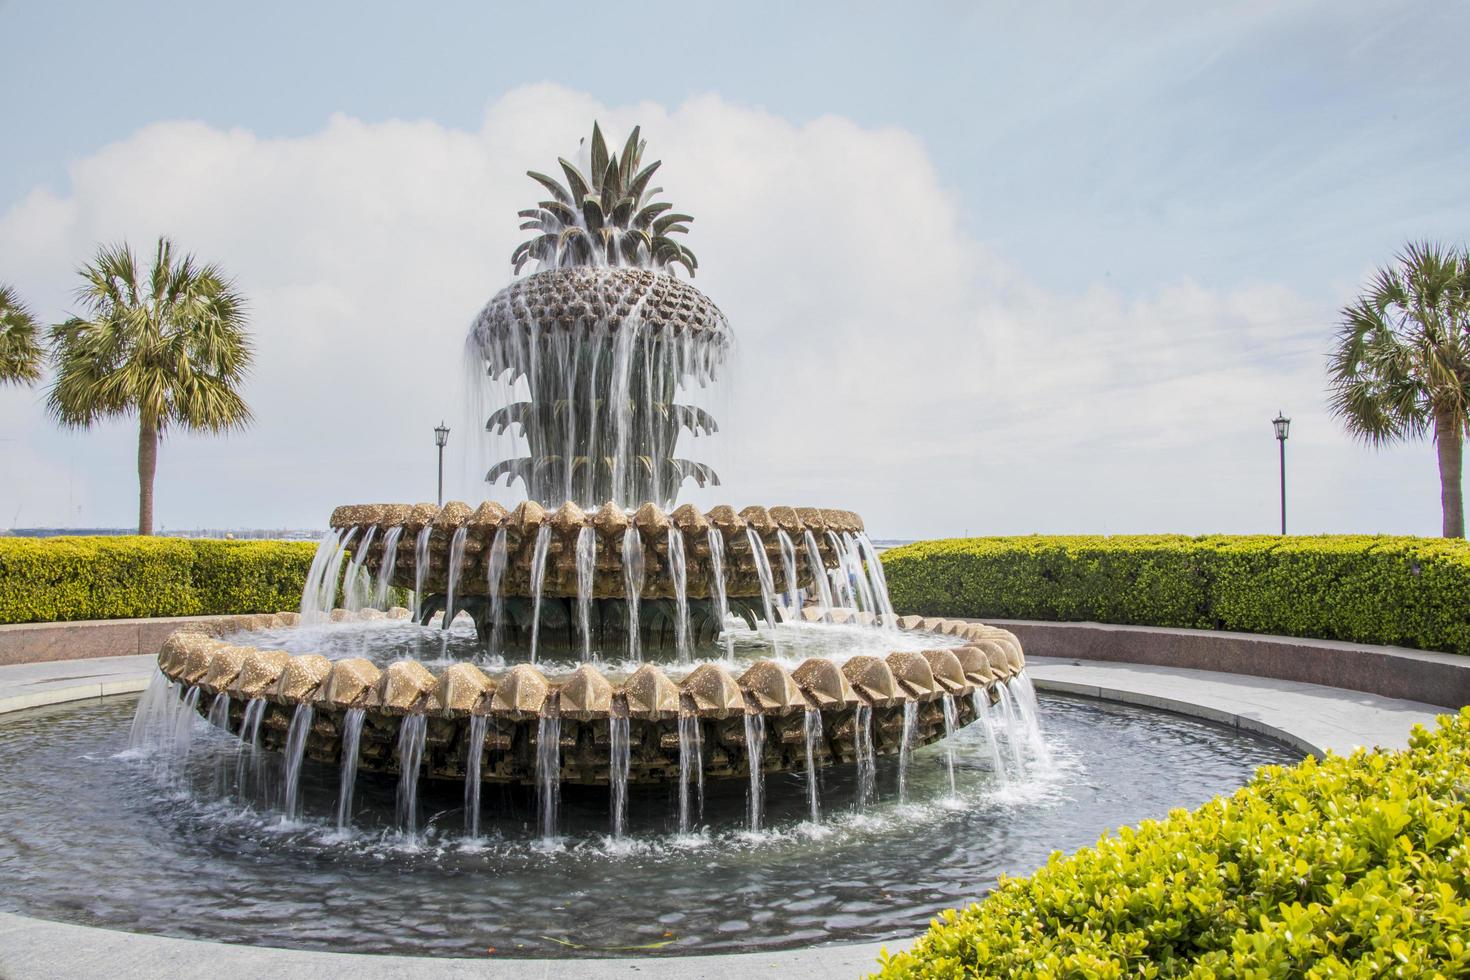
point(441, 436)
point(1283, 426)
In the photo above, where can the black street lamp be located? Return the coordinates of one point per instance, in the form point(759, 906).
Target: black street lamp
point(441, 436)
point(1283, 426)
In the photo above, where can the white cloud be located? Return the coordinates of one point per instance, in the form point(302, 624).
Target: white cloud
point(887, 360)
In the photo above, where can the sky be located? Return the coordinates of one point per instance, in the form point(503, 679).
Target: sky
point(992, 267)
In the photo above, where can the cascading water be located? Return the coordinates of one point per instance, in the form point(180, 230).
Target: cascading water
point(1013, 735)
point(812, 729)
point(883, 607)
point(717, 586)
point(351, 739)
point(788, 568)
point(951, 721)
point(768, 587)
point(691, 768)
point(474, 752)
point(310, 594)
point(819, 576)
point(842, 575)
point(857, 575)
point(867, 759)
point(538, 583)
point(1030, 714)
point(678, 570)
point(456, 562)
point(420, 570)
point(586, 563)
point(249, 736)
point(327, 591)
point(981, 705)
point(295, 756)
point(548, 768)
point(219, 712)
point(619, 761)
point(497, 593)
point(906, 748)
point(755, 751)
point(184, 729)
point(411, 736)
point(633, 576)
point(356, 587)
point(387, 567)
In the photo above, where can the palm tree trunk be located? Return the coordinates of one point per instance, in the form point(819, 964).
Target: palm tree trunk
point(147, 467)
point(1449, 440)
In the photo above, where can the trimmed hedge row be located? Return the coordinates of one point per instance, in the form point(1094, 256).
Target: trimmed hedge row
point(52, 579)
point(1348, 867)
point(1389, 590)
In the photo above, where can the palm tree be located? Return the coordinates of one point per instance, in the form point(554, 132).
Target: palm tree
point(1401, 364)
point(20, 352)
point(606, 218)
point(169, 347)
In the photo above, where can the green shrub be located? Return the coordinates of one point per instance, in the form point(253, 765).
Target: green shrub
point(52, 579)
point(1348, 867)
point(1400, 591)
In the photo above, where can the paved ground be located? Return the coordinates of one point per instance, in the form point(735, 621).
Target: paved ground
point(1312, 717)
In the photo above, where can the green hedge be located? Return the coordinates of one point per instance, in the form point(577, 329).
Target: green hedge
point(1348, 867)
point(1399, 591)
point(49, 579)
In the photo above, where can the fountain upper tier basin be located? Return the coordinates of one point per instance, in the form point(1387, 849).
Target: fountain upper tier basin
point(564, 298)
point(785, 544)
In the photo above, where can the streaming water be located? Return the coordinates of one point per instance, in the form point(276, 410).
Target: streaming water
point(883, 606)
point(619, 760)
point(183, 731)
point(249, 754)
point(867, 759)
point(497, 593)
point(357, 589)
point(788, 569)
point(538, 581)
point(586, 566)
point(678, 570)
point(951, 718)
point(387, 566)
point(768, 588)
point(153, 708)
point(717, 586)
point(294, 757)
point(906, 748)
point(842, 574)
point(1013, 736)
point(981, 704)
point(813, 731)
point(351, 739)
point(327, 592)
point(633, 577)
point(411, 736)
point(310, 594)
point(420, 570)
point(691, 768)
point(548, 768)
point(456, 561)
point(755, 751)
point(219, 712)
point(819, 576)
point(474, 753)
point(1025, 694)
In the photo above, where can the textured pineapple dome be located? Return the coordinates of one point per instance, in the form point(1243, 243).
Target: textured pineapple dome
point(566, 297)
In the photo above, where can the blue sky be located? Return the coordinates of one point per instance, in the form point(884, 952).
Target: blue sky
point(1205, 187)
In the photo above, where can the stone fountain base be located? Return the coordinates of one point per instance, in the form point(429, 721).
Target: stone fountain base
point(861, 695)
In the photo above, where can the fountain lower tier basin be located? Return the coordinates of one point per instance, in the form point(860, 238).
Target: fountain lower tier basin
point(198, 848)
point(495, 723)
point(609, 553)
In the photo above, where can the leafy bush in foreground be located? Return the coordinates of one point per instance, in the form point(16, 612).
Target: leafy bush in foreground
point(1392, 590)
point(52, 579)
point(1347, 867)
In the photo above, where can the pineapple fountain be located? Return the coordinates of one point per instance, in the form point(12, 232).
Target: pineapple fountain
point(613, 630)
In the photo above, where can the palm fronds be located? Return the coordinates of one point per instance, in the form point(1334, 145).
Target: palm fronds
point(21, 353)
point(167, 343)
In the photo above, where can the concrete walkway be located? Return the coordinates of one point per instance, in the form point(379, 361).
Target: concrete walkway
point(1312, 717)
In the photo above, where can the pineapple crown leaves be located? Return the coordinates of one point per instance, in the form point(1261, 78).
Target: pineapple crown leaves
point(606, 217)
